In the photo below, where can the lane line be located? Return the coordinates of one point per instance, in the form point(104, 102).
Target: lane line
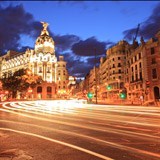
point(59, 142)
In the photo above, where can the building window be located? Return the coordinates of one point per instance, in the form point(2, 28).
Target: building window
point(49, 89)
point(132, 69)
point(119, 58)
point(48, 69)
point(140, 75)
point(39, 89)
point(135, 58)
point(113, 59)
point(153, 61)
point(154, 73)
point(119, 77)
point(135, 67)
point(136, 77)
point(139, 55)
point(132, 78)
point(119, 71)
point(113, 65)
point(140, 65)
point(152, 50)
point(40, 69)
point(119, 65)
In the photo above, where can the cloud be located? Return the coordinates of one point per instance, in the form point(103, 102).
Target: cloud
point(77, 65)
point(89, 46)
point(14, 22)
point(18, 22)
point(64, 42)
point(148, 28)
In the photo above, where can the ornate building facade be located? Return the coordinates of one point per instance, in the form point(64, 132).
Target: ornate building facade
point(41, 61)
point(132, 69)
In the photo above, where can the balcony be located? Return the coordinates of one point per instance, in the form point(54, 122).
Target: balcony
point(137, 80)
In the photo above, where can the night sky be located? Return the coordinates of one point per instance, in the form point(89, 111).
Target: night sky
point(77, 27)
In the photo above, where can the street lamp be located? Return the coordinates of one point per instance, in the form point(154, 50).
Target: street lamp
point(118, 82)
point(95, 75)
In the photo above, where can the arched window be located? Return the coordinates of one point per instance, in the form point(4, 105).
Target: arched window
point(49, 89)
point(39, 89)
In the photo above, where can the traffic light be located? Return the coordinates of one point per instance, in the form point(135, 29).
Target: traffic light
point(147, 84)
point(90, 95)
point(123, 94)
point(109, 87)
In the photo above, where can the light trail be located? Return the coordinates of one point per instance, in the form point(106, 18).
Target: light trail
point(115, 131)
point(111, 144)
point(38, 111)
point(70, 109)
point(59, 142)
point(109, 118)
point(28, 108)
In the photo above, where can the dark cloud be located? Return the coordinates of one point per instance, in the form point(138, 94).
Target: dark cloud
point(18, 22)
point(94, 60)
point(64, 42)
point(77, 65)
point(148, 28)
point(14, 22)
point(88, 47)
point(82, 58)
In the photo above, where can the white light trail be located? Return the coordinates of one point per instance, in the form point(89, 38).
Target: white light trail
point(116, 131)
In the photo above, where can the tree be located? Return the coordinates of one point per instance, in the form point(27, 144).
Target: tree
point(19, 81)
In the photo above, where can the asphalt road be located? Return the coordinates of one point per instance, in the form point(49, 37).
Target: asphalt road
point(70, 130)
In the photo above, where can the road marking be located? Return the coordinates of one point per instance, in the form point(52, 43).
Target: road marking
point(59, 142)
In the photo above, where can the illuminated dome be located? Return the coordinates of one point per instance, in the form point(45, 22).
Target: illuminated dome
point(44, 43)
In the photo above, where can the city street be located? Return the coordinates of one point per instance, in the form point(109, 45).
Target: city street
point(73, 130)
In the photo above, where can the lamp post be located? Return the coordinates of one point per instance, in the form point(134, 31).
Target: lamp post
point(118, 83)
point(95, 75)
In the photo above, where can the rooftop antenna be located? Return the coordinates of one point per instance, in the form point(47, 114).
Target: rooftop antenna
point(134, 39)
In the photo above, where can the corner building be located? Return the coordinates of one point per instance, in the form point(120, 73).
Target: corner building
point(41, 61)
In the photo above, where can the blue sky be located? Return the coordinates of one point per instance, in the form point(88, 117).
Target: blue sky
point(77, 26)
point(105, 20)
